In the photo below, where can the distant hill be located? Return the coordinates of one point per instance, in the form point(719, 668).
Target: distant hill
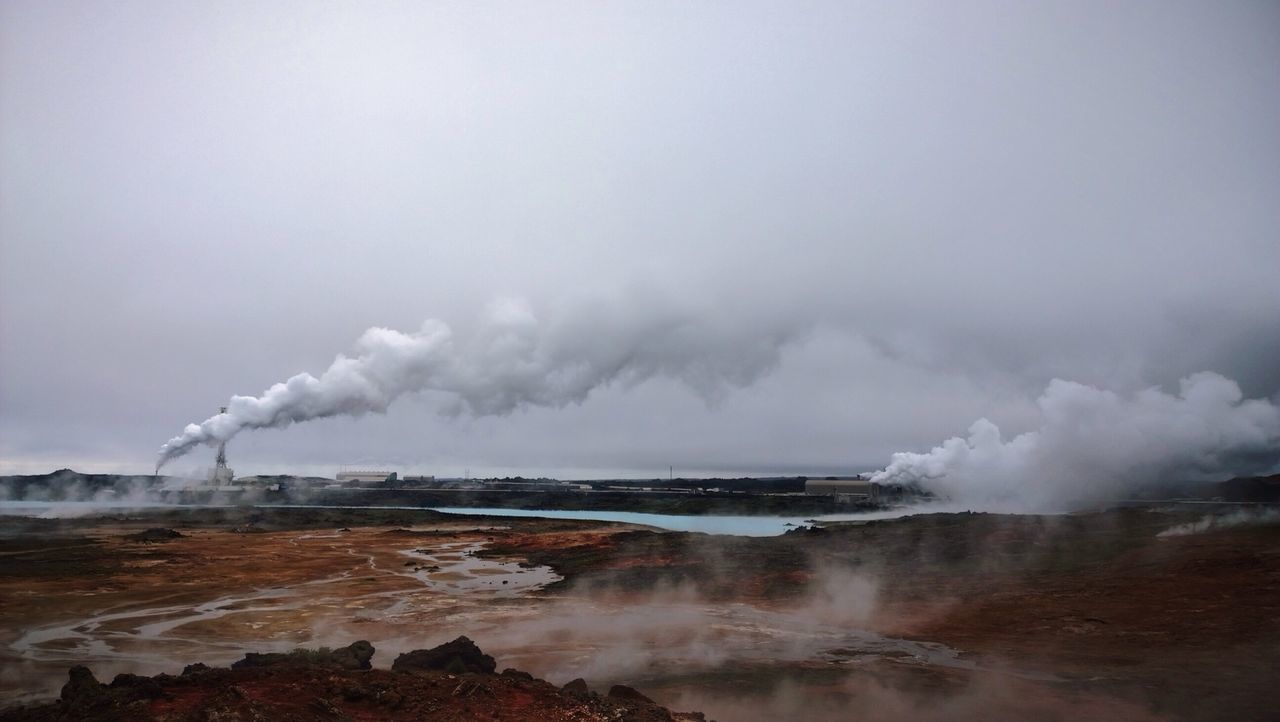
point(65, 484)
point(1254, 488)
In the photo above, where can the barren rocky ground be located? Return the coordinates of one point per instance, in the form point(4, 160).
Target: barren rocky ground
point(1103, 615)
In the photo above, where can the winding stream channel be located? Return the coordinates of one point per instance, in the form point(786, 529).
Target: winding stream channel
point(404, 589)
point(452, 590)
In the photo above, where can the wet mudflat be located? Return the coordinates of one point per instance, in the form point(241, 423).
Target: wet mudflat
point(933, 618)
point(93, 596)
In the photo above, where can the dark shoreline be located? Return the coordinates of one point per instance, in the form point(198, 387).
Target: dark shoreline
point(746, 497)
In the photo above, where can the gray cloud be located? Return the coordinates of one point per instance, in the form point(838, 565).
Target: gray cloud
point(960, 204)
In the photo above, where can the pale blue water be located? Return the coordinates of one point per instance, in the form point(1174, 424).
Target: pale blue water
point(734, 525)
point(60, 509)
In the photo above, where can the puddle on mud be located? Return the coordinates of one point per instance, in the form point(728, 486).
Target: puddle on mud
point(149, 636)
point(100, 636)
point(454, 569)
point(451, 589)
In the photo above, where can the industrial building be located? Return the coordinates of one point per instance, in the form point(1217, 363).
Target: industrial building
point(387, 478)
point(851, 489)
point(367, 476)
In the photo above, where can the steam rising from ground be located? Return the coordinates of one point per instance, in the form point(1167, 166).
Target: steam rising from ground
point(603, 634)
point(1242, 517)
point(512, 359)
point(1095, 445)
point(64, 494)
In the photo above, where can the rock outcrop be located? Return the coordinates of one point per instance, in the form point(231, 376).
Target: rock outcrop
point(357, 655)
point(81, 686)
point(459, 656)
point(155, 534)
point(454, 681)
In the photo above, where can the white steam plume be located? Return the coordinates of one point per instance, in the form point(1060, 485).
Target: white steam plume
point(512, 359)
point(1094, 446)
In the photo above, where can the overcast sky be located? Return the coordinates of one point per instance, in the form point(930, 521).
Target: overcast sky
point(948, 204)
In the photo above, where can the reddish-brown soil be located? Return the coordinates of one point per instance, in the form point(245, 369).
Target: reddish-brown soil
point(1191, 624)
point(1090, 616)
point(1186, 627)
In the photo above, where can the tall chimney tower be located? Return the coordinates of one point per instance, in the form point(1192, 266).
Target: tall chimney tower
point(221, 474)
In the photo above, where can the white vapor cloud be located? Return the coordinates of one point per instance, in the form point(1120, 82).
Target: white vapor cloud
point(1094, 445)
point(509, 360)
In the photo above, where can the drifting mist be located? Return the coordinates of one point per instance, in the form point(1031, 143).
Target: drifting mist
point(1095, 445)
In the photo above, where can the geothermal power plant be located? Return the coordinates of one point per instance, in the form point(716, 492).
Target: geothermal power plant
point(633, 361)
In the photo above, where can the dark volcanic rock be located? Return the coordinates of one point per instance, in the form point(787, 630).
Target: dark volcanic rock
point(194, 668)
point(138, 685)
point(460, 655)
point(268, 659)
point(356, 655)
point(81, 686)
point(314, 685)
point(631, 694)
point(155, 534)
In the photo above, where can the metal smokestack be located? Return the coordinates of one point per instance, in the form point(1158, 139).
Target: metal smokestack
point(221, 474)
